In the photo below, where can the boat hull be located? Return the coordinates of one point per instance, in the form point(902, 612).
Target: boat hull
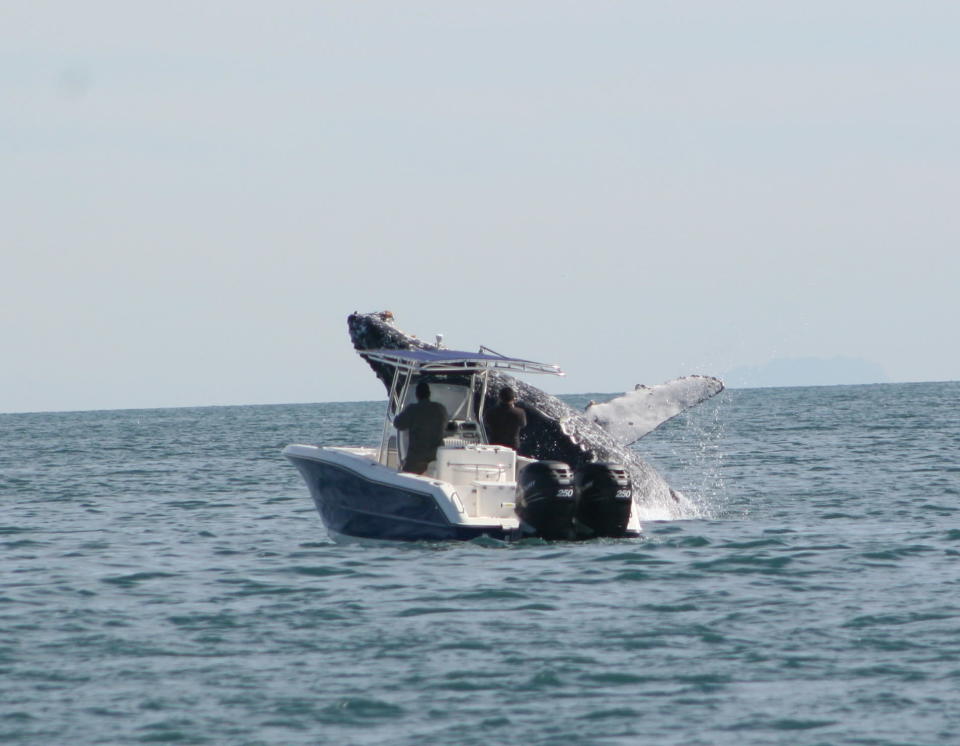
point(393, 507)
point(361, 500)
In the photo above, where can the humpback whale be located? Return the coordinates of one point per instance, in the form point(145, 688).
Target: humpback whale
point(556, 431)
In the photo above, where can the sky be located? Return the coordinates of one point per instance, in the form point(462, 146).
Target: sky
point(195, 195)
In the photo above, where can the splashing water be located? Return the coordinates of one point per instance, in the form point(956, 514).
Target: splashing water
point(687, 452)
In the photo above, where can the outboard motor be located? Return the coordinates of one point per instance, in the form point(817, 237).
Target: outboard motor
point(605, 498)
point(546, 499)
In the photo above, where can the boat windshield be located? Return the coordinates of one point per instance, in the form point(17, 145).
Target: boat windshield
point(454, 397)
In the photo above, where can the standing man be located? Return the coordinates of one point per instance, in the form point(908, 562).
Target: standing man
point(505, 421)
point(426, 421)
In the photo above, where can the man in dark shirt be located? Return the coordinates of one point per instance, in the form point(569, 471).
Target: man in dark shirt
point(426, 421)
point(505, 421)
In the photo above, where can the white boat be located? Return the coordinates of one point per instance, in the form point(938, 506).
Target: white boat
point(472, 488)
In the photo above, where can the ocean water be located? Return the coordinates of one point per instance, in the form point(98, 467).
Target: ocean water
point(164, 578)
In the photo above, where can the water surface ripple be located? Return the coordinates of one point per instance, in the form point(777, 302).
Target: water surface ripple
point(166, 579)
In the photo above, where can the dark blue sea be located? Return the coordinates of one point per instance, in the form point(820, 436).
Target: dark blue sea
point(165, 578)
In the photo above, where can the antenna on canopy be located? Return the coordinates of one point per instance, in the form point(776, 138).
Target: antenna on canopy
point(486, 350)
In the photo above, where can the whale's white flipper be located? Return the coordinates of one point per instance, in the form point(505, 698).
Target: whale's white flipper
point(629, 417)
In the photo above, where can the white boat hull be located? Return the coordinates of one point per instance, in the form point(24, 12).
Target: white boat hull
point(468, 493)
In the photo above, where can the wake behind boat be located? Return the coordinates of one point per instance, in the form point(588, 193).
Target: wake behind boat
point(473, 488)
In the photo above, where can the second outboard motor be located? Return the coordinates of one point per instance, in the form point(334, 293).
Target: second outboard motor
point(546, 499)
point(606, 497)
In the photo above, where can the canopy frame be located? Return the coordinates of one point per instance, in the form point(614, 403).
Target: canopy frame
point(409, 364)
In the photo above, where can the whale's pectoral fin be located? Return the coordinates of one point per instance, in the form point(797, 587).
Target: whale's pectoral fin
point(631, 416)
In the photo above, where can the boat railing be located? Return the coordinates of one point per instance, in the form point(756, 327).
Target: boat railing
point(482, 471)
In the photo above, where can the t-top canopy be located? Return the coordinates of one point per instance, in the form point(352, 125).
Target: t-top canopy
point(455, 361)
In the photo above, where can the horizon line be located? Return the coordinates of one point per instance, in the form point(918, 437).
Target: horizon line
point(372, 401)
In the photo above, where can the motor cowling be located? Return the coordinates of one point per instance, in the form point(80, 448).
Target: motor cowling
point(547, 499)
point(605, 494)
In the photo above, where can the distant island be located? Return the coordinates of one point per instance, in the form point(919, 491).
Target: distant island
point(806, 371)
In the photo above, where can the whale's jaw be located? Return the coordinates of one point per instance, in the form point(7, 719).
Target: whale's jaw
point(555, 431)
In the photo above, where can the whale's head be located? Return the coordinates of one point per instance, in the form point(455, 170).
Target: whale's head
point(376, 331)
